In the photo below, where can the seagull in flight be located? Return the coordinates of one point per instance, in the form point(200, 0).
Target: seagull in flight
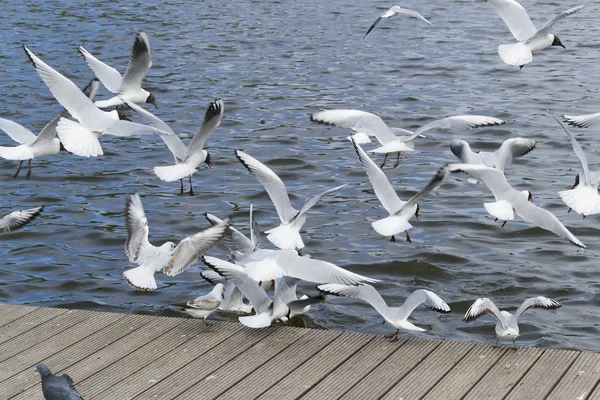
point(584, 121)
point(18, 219)
point(529, 38)
point(394, 141)
point(506, 323)
point(395, 10)
point(128, 88)
point(508, 198)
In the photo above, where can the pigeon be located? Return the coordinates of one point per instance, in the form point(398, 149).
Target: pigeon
point(57, 387)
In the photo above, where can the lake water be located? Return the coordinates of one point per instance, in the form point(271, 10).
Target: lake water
point(274, 63)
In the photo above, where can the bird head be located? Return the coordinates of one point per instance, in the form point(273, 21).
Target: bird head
point(43, 370)
point(557, 42)
point(417, 211)
point(207, 161)
point(528, 195)
point(152, 100)
point(576, 182)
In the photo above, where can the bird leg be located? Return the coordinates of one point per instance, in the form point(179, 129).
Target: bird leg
point(205, 324)
point(497, 341)
point(384, 160)
point(504, 224)
point(191, 187)
point(18, 170)
point(397, 161)
point(394, 337)
point(29, 172)
point(393, 239)
point(569, 210)
point(584, 216)
point(408, 237)
point(181, 181)
point(496, 220)
point(514, 344)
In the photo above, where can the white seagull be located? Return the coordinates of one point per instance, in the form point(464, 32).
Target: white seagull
point(508, 198)
point(499, 159)
point(172, 259)
point(367, 124)
point(583, 196)
point(287, 234)
point(584, 121)
point(395, 10)
point(128, 88)
point(394, 316)
point(400, 211)
point(203, 306)
point(506, 323)
point(529, 38)
point(32, 146)
point(233, 299)
point(187, 158)
point(18, 219)
point(82, 138)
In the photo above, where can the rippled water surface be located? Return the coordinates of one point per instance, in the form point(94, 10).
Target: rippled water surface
point(274, 63)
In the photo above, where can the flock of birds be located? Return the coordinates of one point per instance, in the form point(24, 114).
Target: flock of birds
point(243, 283)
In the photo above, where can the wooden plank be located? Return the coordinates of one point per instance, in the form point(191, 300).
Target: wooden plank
point(353, 370)
point(144, 367)
point(318, 367)
point(580, 379)
point(467, 372)
point(430, 371)
point(86, 368)
point(393, 369)
point(212, 386)
point(32, 355)
point(11, 312)
point(28, 321)
point(505, 374)
point(280, 366)
point(42, 332)
point(77, 352)
point(177, 375)
point(543, 376)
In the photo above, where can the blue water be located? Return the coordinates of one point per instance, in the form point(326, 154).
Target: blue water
point(274, 63)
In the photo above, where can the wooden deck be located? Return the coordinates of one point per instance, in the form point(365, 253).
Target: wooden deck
point(117, 356)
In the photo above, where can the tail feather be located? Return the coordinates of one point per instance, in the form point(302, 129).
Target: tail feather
point(583, 199)
point(140, 278)
point(171, 173)
point(286, 236)
point(256, 321)
point(516, 54)
point(500, 209)
point(77, 139)
point(391, 225)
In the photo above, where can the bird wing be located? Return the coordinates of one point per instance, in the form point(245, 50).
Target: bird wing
point(548, 25)
point(190, 249)
point(358, 121)
point(510, 149)
point(458, 122)
point(578, 151)
point(212, 277)
point(110, 77)
point(439, 178)
point(493, 178)
point(381, 185)
point(310, 203)
point(212, 119)
point(462, 150)
point(515, 17)
point(363, 292)
point(203, 304)
point(537, 302)
point(234, 240)
point(285, 289)
point(544, 219)
point(17, 132)
point(139, 63)
point(273, 185)
point(60, 387)
point(481, 307)
point(421, 296)
point(254, 230)
point(237, 275)
point(584, 121)
point(17, 219)
point(137, 228)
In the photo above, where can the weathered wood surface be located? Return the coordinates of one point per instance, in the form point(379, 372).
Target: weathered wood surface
point(116, 356)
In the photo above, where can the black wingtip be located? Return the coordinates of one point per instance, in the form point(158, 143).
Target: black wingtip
point(214, 109)
point(26, 50)
point(207, 279)
point(140, 46)
point(440, 310)
point(242, 160)
point(328, 293)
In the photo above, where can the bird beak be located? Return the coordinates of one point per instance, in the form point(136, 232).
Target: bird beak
point(154, 104)
point(209, 163)
point(563, 46)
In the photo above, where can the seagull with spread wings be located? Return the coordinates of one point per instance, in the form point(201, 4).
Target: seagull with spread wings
point(395, 10)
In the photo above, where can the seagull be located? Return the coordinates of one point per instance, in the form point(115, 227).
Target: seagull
point(499, 159)
point(57, 387)
point(233, 299)
point(583, 196)
point(506, 323)
point(187, 158)
point(508, 198)
point(82, 138)
point(18, 219)
point(235, 241)
point(172, 259)
point(529, 38)
point(267, 310)
point(367, 124)
point(203, 306)
point(584, 121)
point(394, 316)
point(400, 211)
point(44, 144)
point(128, 88)
point(395, 10)
point(287, 234)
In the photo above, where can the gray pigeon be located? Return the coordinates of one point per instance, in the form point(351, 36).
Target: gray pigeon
point(57, 387)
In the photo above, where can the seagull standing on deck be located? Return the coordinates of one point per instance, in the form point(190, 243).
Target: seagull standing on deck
point(203, 306)
point(529, 38)
point(127, 87)
point(395, 10)
point(506, 323)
